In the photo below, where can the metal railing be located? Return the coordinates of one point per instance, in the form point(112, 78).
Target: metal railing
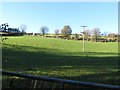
point(63, 81)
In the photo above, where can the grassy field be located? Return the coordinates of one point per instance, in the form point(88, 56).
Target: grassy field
point(62, 58)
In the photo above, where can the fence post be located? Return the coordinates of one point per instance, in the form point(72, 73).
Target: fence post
point(35, 83)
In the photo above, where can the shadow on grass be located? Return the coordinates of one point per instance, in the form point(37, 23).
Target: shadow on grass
point(96, 53)
point(55, 63)
point(101, 77)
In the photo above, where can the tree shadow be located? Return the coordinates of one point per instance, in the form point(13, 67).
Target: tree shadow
point(102, 77)
point(55, 63)
point(95, 53)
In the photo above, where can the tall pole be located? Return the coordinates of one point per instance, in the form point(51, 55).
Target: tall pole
point(83, 38)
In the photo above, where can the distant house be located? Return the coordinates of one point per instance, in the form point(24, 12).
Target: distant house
point(29, 33)
point(10, 31)
point(13, 30)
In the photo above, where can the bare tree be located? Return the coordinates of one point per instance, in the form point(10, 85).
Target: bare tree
point(44, 30)
point(96, 33)
point(23, 27)
point(87, 34)
point(57, 31)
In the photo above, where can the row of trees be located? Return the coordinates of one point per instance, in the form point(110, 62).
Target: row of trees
point(94, 34)
point(66, 31)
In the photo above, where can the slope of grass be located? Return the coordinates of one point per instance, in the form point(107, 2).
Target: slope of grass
point(65, 46)
point(62, 58)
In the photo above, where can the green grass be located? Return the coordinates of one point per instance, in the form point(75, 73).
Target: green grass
point(62, 58)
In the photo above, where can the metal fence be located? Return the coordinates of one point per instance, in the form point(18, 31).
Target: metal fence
point(61, 84)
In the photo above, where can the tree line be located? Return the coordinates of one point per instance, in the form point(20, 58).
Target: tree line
point(65, 33)
point(89, 35)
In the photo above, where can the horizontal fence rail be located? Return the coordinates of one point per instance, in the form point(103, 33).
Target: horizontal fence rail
point(62, 81)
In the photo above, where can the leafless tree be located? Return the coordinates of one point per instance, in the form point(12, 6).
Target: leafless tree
point(44, 30)
point(96, 33)
point(87, 34)
point(23, 27)
point(57, 31)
